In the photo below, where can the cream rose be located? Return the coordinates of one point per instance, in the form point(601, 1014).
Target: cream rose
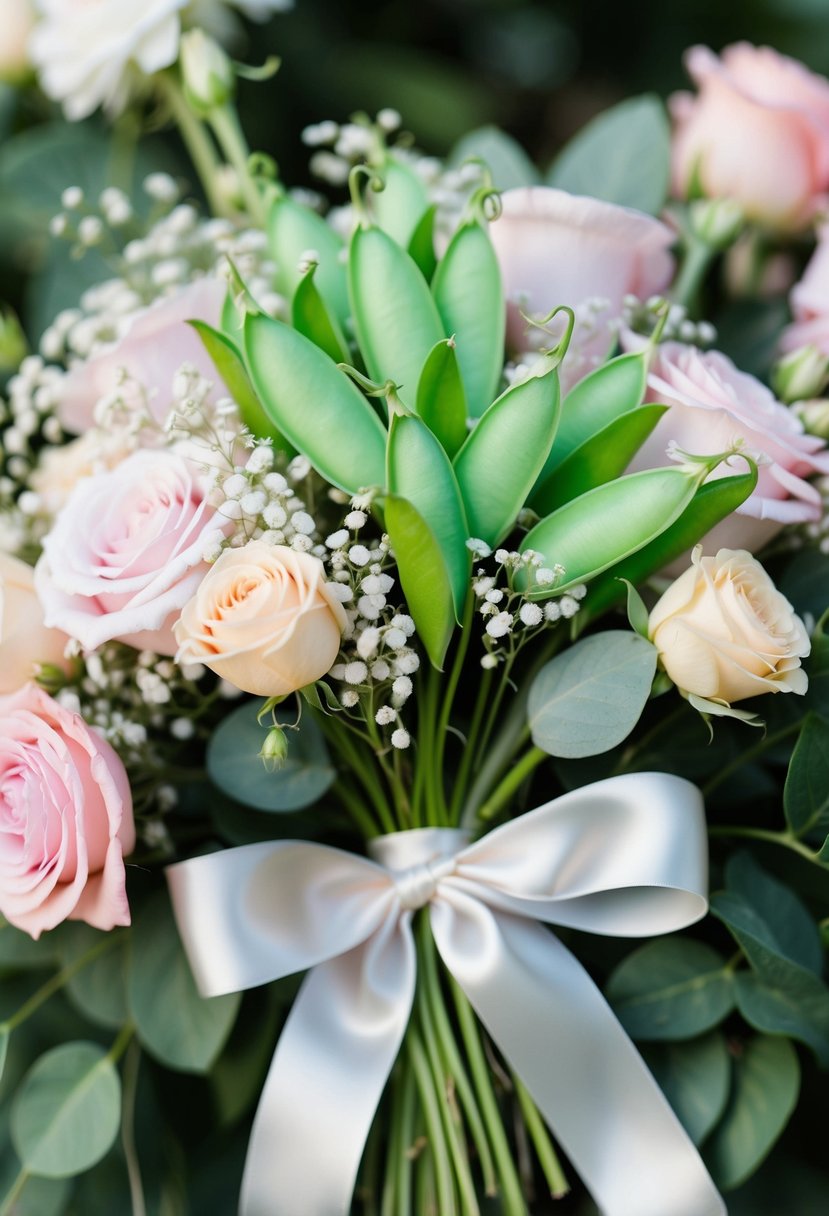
point(65, 818)
point(60, 469)
point(725, 633)
point(264, 619)
point(757, 132)
point(25, 642)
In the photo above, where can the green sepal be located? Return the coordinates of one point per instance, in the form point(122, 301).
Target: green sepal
point(424, 576)
point(441, 400)
point(293, 229)
point(323, 414)
point(637, 612)
point(469, 295)
point(418, 469)
point(230, 366)
point(599, 459)
point(312, 317)
point(499, 462)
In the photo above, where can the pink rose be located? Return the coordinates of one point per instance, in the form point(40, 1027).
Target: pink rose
point(757, 132)
point(558, 248)
point(712, 404)
point(156, 342)
point(126, 553)
point(65, 818)
point(810, 302)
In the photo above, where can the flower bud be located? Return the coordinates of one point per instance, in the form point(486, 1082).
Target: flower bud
point(815, 416)
point(275, 749)
point(716, 222)
point(800, 375)
point(208, 75)
point(13, 345)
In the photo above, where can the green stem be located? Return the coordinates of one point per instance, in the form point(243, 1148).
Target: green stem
point(396, 1150)
point(365, 774)
point(550, 1164)
point(698, 257)
point(468, 754)
point(640, 745)
point(785, 839)
point(58, 980)
point(197, 141)
point(14, 1193)
point(431, 1113)
point(513, 780)
point(130, 1088)
point(750, 753)
point(442, 724)
point(356, 810)
point(407, 1126)
point(121, 1042)
point(228, 131)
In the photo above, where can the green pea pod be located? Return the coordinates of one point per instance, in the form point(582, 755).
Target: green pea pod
point(231, 368)
point(312, 317)
point(612, 389)
point(398, 208)
point(500, 461)
point(470, 298)
point(713, 502)
point(319, 409)
point(600, 458)
point(232, 319)
point(418, 469)
point(395, 317)
point(422, 245)
point(441, 401)
point(604, 526)
point(294, 230)
point(424, 576)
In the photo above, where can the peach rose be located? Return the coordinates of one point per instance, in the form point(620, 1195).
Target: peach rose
point(757, 132)
point(25, 641)
point(60, 469)
point(18, 22)
point(126, 553)
point(264, 619)
point(724, 631)
point(155, 344)
point(558, 248)
point(810, 302)
point(65, 818)
point(712, 404)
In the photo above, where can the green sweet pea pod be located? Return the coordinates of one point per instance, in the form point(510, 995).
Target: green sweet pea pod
point(441, 401)
point(500, 461)
point(322, 413)
point(230, 366)
point(399, 207)
point(312, 317)
point(424, 576)
point(422, 245)
point(293, 230)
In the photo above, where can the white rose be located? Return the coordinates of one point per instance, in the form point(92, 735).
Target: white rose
point(724, 632)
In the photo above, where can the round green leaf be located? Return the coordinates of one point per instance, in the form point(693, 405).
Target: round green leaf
point(176, 1025)
point(98, 989)
point(763, 1095)
point(590, 697)
point(672, 988)
point(235, 766)
point(695, 1078)
point(67, 1112)
point(508, 162)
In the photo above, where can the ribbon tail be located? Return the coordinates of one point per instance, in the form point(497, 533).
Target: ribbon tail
point(327, 1077)
point(562, 1038)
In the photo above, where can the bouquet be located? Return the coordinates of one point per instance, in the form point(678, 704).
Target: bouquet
point(401, 588)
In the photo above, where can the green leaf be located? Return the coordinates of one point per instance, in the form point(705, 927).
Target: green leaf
point(177, 1026)
point(599, 459)
point(695, 1077)
point(500, 461)
point(805, 582)
point(806, 793)
point(424, 576)
point(323, 414)
point(98, 989)
point(418, 469)
point(18, 949)
point(292, 230)
point(817, 669)
point(421, 248)
point(797, 1005)
point(763, 1096)
point(622, 156)
point(441, 400)
point(508, 163)
point(4, 1048)
point(590, 697)
point(672, 988)
point(235, 766)
point(637, 612)
point(400, 206)
point(311, 316)
point(67, 1112)
point(230, 366)
point(789, 926)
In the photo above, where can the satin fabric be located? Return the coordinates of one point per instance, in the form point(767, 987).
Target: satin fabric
point(623, 857)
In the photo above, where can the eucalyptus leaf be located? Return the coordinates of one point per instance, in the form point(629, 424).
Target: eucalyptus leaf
point(817, 669)
point(67, 1112)
point(805, 582)
point(235, 766)
point(622, 156)
point(671, 989)
point(98, 989)
point(18, 949)
point(763, 1096)
point(508, 163)
point(589, 698)
point(792, 930)
point(806, 793)
point(176, 1025)
point(695, 1077)
point(796, 1006)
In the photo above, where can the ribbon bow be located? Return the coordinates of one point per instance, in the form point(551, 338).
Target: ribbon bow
point(624, 857)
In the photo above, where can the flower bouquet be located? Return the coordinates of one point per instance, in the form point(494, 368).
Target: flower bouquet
point(380, 605)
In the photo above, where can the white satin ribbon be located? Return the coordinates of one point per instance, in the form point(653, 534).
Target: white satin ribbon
point(624, 857)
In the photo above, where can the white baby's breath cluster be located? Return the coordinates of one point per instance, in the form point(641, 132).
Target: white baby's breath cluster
point(510, 613)
point(643, 317)
point(28, 425)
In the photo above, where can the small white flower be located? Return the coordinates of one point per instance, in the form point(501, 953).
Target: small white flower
point(489, 661)
point(385, 716)
point(235, 486)
point(531, 614)
point(479, 547)
point(407, 663)
point(370, 606)
point(395, 639)
point(349, 698)
point(400, 738)
point(254, 502)
point(545, 577)
point(337, 539)
point(182, 728)
point(568, 605)
point(380, 670)
point(355, 519)
point(494, 596)
point(377, 584)
point(402, 687)
point(368, 642)
point(355, 673)
point(275, 515)
point(359, 555)
point(72, 198)
point(552, 611)
point(500, 625)
point(302, 522)
point(275, 483)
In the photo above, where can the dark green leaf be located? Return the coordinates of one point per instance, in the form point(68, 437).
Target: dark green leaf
point(791, 926)
point(672, 988)
point(695, 1077)
point(806, 793)
point(98, 989)
point(797, 1006)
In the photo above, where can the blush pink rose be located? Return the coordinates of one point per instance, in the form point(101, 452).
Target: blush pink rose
point(65, 818)
point(756, 132)
point(712, 404)
point(558, 248)
point(156, 342)
point(809, 300)
point(126, 553)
